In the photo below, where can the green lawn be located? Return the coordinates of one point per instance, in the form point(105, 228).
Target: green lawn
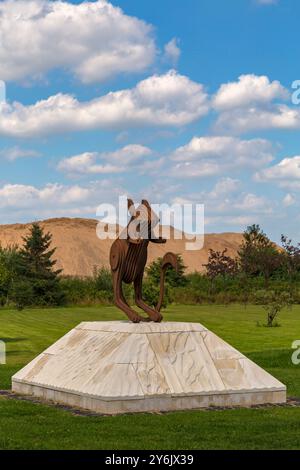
point(24, 425)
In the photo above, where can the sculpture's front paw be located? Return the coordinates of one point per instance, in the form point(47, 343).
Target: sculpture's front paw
point(160, 318)
point(135, 318)
point(156, 317)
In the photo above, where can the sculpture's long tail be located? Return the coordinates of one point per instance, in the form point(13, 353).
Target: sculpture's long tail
point(169, 260)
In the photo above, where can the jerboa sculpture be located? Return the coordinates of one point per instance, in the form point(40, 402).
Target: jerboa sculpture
point(128, 258)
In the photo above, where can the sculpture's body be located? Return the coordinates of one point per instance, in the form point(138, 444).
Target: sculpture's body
point(128, 258)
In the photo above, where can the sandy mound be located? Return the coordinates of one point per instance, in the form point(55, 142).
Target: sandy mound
point(79, 250)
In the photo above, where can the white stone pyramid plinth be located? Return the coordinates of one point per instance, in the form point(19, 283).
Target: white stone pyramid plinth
point(119, 367)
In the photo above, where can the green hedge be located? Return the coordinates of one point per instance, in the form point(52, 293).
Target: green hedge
point(198, 289)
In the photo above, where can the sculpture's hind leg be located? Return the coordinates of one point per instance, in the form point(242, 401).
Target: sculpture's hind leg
point(120, 300)
point(153, 314)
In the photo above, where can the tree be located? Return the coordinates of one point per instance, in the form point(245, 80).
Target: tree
point(151, 285)
point(273, 303)
point(37, 270)
point(4, 277)
point(220, 264)
point(173, 278)
point(258, 255)
point(291, 257)
point(10, 262)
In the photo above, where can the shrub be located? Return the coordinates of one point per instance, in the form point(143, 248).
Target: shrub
point(273, 303)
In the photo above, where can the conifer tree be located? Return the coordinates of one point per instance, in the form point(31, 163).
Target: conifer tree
point(37, 270)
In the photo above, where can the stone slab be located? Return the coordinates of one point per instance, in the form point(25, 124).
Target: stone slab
point(119, 367)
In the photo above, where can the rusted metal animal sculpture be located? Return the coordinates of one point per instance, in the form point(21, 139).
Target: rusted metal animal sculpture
point(128, 258)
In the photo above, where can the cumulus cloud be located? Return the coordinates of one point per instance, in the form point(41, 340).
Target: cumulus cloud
point(22, 196)
point(248, 90)
point(252, 202)
point(119, 161)
point(287, 169)
point(241, 204)
point(208, 156)
point(25, 201)
point(242, 120)
point(160, 100)
point(253, 103)
point(172, 51)
point(93, 40)
point(227, 203)
point(224, 187)
point(86, 164)
point(285, 174)
point(14, 153)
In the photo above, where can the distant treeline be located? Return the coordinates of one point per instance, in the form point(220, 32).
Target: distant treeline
point(261, 271)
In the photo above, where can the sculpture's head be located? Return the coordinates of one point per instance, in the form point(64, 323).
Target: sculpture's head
point(142, 223)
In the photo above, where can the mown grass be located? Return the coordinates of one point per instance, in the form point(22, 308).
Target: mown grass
point(25, 425)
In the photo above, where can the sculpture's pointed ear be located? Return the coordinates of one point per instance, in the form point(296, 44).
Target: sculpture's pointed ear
point(146, 203)
point(131, 208)
point(133, 213)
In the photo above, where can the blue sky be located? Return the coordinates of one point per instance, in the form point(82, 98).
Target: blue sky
point(174, 101)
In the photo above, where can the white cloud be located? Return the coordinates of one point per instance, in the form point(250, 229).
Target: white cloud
point(227, 204)
point(127, 155)
point(242, 120)
point(242, 204)
point(285, 174)
point(288, 200)
point(119, 161)
point(14, 153)
point(253, 103)
point(248, 90)
point(287, 169)
point(27, 202)
point(86, 164)
point(172, 51)
point(93, 40)
point(194, 170)
point(224, 187)
point(160, 100)
point(252, 202)
point(22, 196)
point(208, 156)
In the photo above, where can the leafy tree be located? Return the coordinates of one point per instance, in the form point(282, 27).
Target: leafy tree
point(258, 255)
point(4, 278)
point(173, 278)
point(220, 264)
point(10, 262)
point(22, 293)
point(37, 269)
point(290, 257)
